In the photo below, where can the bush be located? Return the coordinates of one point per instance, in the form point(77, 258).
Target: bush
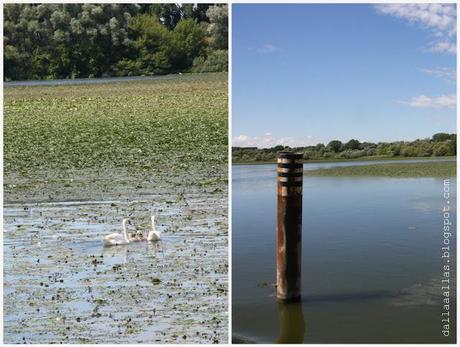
point(357, 154)
point(370, 152)
point(216, 61)
point(127, 67)
point(327, 155)
point(441, 149)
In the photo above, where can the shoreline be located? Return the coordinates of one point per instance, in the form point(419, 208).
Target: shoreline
point(104, 80)
point(447, 158)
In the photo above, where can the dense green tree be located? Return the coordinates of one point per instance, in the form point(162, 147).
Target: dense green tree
point(92, 40)
point(320, 146)
point(189, 41)
point(440, 137)
point(335, 146)
point(197, 12)
point(218, 28)
point(352, 144)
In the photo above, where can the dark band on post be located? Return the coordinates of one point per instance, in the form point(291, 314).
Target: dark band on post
point(290, 173)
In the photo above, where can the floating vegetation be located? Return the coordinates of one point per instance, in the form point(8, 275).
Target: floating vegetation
point(80, 158)
point(428, 169)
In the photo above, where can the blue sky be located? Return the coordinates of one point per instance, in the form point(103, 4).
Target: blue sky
point(307, 73)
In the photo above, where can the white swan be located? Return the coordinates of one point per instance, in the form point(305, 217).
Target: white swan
point(154, 235)
point(116, 239)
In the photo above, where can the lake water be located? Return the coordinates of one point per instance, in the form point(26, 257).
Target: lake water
point(87, 80)
point(62, 286)
point(371, 259)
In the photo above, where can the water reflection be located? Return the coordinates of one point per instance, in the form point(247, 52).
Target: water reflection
point(115, 255)
point(154, 249)
point(292, 322)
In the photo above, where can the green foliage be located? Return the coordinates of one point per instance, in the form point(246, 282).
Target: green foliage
point(189, 41)
point(48, 41)
point(352, 144)
point(218, 28)
point(216, 61)
point(334, 146)
point(440, 137)
point(353, 149)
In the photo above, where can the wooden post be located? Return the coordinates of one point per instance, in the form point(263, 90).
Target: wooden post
point(289, 226)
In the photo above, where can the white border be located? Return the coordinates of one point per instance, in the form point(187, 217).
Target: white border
point(1, 174)
point(229, 186)
point(229, 119)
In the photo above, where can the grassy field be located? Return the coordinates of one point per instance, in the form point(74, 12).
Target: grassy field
point(434, 169)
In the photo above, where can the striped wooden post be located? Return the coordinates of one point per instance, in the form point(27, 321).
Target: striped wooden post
point(289, 226)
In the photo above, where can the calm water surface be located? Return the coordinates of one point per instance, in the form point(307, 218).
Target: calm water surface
point(86, 80)
point(371, 263)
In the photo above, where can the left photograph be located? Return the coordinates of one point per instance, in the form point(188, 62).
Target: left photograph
point(115, 215)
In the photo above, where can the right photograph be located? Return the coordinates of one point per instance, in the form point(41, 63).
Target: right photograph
point(344, 173)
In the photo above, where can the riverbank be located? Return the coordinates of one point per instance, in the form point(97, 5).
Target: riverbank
point(429, 169)
point(374, 158)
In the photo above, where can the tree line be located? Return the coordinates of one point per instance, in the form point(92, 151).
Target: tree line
point(440, 144)
point(49, 41)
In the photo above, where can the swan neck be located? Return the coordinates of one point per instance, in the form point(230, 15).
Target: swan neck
point(125, 232)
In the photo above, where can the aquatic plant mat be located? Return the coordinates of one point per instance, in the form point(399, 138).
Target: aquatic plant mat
point(80, 158)
point(427, 169)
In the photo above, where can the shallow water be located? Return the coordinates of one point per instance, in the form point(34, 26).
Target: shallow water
point(61, 285)
point(371, 266)
point(86, 80)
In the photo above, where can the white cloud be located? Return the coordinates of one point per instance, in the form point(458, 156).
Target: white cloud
point(267, 48)
point(444, 47)
point(444, 73)
point(267, 140)
point(440, 19)
point(423, 101)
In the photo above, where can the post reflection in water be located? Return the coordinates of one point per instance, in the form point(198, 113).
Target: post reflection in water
point(292, 322)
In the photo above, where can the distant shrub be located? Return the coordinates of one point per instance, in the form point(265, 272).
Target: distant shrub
point(216, 61)
point(442, 149)
point(127, 67)
point(357, 154)
point(327, 155)
point(370, 152)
